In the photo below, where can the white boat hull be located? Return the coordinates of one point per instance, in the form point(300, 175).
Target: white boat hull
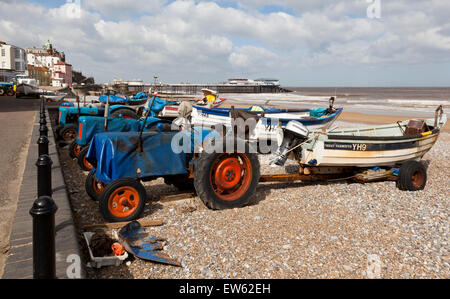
point(263, 130)
point(369, 150)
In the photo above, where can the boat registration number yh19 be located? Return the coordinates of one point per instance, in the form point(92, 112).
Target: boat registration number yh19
point(363, 147)
point(359, 147)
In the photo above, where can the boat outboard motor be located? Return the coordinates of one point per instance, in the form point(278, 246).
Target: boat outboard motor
point(294, 133)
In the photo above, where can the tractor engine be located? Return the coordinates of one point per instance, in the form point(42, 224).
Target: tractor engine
point(294, 133)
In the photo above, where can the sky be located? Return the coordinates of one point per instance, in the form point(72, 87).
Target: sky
point(330, 43)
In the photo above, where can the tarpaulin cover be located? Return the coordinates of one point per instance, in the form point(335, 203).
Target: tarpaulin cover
point(91, 125)
point(318, 112)
point(158, 105)
point(117, 98)
point(140, 96)
point(117, 156)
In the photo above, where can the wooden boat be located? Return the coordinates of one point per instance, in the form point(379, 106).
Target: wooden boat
point(385, 145)
point(270, 121)
point(210, 99)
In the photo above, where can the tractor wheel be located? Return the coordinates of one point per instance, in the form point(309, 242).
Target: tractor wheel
point(82, 162)
point(124, 113)
point(74, 149)
point(181, 182)
point(10, 93)
point(68, 133)
point(94, 187)
point(122, 200)
point(412, 176)
point(224, 181)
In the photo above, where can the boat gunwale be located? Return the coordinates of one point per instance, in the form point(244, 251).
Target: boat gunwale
point(382, 138)
point(283, 120)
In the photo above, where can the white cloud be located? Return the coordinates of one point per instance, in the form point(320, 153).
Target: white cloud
point(206, 41)
point(121, 9)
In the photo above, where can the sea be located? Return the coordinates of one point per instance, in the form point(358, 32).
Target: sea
point(408, 101)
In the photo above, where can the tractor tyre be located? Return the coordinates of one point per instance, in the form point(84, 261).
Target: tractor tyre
point(74, 149)
point(94, 187)
point(412, 176)
point(122, 200)
point(68, 133)
point(228, 180)
point(124, 113)
point(82, 162)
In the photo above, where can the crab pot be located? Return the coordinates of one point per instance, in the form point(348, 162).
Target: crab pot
point(44, 259)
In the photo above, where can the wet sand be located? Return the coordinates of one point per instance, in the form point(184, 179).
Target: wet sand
point(377, 119)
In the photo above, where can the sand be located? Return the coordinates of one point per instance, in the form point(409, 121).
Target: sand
point(377, 119)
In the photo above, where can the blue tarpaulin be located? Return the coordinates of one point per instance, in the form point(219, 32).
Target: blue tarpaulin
point(318, 112)
point(91, 125)
point(116, 155)
point(158, 105)
point(117, 98)
point(140, 96)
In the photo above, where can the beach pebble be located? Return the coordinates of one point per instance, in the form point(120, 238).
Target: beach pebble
point(295, 230)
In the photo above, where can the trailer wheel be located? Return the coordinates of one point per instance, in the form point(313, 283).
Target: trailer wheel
point(181, 182)
point(82, 162)
point(2, 92)
point(94, 187)
point(122, 200)
point(68, 133)
point(125, 113)
point(225, 181)
point(10, 93)
point(412, 176)
point(74, 149)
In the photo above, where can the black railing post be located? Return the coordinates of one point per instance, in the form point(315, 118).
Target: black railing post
point(43, 145)
point(43, 131)
point(44, 175)
point(44, 252)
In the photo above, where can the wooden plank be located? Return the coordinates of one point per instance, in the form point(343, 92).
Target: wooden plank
point(175, 197)
point(116, 225)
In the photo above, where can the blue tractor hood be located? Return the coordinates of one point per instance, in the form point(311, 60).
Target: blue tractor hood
point(91, 125)
point(116, 155)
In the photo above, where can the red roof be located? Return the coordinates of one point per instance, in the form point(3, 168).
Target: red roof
point(62, 63)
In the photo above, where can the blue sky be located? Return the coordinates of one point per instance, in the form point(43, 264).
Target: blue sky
point(303, 43)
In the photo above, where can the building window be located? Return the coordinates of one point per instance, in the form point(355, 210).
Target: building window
point(3, 65)
point(3, 52)
point(17, 53)
point(18, 66)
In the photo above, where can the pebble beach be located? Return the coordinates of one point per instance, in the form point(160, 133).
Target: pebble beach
point(294, 230)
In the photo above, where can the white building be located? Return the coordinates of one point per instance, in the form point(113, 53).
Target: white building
point(44, 56)
point(13, 61)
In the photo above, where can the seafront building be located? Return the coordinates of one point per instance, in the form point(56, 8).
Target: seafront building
point(46, 58)
point(13, 61)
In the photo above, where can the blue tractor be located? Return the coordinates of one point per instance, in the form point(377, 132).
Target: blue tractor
point(7, 89)
point(222, 179)
point(68, 117)
point(88, 126)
